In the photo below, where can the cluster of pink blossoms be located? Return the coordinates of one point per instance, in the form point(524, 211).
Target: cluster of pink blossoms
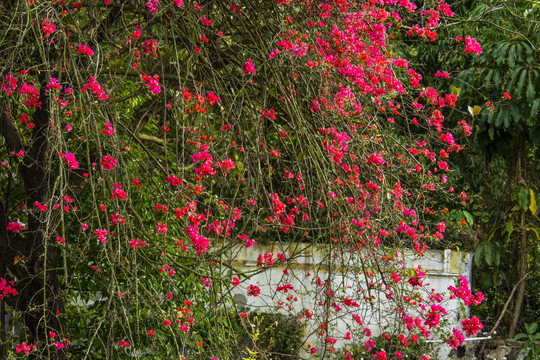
point(96, 88)
point(6, 288)
point(108, 162)
point(102, 235)
point(249, 67)
point(471, 45)
point(118, 193)
point(152, 83)
point(47, 27)
point(15, 226)
point(152, 6)
point(137, 243)
point(472, 326)
point(53, 84)
point(253, 290)
point(108, 130)
point(465, 294)
point(23, 347)
point(85, 49)
point(70, 159)
point(456, 339)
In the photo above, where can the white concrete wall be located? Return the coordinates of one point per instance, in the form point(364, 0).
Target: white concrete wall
point(443, 269)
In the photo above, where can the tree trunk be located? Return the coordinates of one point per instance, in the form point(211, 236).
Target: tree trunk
point(522, 273)
point(40, 291)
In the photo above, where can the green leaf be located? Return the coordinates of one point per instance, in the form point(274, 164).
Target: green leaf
point(507, 122)
point(531, 328)
point(511, 56)
point(455, 90)
point(519, 89)
point(516, 114)
point(520, 336)
point(468, 217)
point(531, 93)
point(498, 119)
point(523, 198)
point(497, 79)
point(529, 53)
point(491, 132)
point(479, 254)
point(534, 107)
point(509, 227)
point(489, 253)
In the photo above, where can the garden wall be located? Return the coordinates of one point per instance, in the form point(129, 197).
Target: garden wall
point(442, 267)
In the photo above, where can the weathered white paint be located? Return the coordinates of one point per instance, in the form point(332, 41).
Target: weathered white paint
point(443, 269)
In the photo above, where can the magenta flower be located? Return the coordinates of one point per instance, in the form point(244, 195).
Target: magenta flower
point(472, 45)
point(108, 162)
point(249, 67)
point(102, 235)
point(253, 290)
point(70, 159)
point(85, 49)
point(472, 326)
point(456, 339)
point(15, 226)
point(108, 130)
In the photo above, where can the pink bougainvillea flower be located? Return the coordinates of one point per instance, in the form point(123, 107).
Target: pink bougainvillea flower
point(123, 343)
point(96, 88)
point(102, 235)
point(375, 159)
point(15, 226)
point(472, 46)
point(6, 288)
point(206, 22)
point(152, 83)
point(108, 130)
point(249, 67)
point(442, 74)
point(53, 84)
point(47, 27)
point(161, 228)
point(212, 98)
point(85, 49)
point(464, 293)
point(271, 114)
point(274, 53)
point(136, 243)
point(226, 166)
point(118, 192)
point(136, 182)
point(70, 159)
point(24, 348)
point(456, 339)
point(152, 6)
point(472, 326)
point(253, 290)
point(108, 162)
